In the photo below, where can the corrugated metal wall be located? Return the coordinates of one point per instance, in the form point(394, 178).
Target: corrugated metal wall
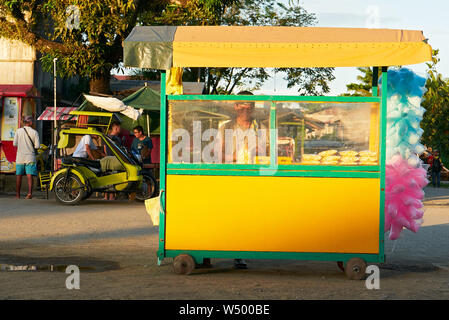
point(16, 62)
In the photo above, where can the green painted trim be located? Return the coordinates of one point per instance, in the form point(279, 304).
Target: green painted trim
point(383, 145)
point(264, 166)
point(329, 168)
point(199, 255)
point(213, 166)
point(274, 173)
point(163, 163)
point(376, 172)
point(272, 98)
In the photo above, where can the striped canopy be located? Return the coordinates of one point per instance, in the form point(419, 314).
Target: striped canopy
point(164, 47)
point(62, 113)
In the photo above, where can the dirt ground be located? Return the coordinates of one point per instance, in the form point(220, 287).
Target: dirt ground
point(115, 244)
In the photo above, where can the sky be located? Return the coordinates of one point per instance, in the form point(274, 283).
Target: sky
point(431, 16)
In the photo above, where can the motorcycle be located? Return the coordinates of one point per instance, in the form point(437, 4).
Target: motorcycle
point(79, 177)
point(149, 186)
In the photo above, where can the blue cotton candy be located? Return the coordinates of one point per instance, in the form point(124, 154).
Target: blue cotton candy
point(404, 114)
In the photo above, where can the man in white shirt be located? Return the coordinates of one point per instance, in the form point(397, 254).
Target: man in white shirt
point(85, 148)
point(26, 140)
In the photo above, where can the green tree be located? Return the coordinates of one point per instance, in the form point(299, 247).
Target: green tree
point(94, 47)
point(313, 81)
point(364, 86)
point(90, 48)
point(436, 102)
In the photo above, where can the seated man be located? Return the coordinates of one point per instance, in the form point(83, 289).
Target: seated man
point(113, 134)
point(87, 148)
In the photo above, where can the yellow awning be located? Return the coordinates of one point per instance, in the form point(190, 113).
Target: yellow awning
point(250, 46)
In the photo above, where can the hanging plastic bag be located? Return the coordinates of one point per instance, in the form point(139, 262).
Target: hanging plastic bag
point(153, 208)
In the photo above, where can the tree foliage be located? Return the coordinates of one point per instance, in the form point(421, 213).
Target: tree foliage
point(436, 102)
point(91, 48)
point(365, 81)
point(94, 47)
point(313, 81)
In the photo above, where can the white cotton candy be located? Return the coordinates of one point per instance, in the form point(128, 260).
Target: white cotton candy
point(413, 160)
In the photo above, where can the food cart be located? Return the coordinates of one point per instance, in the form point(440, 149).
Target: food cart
point(327, 201)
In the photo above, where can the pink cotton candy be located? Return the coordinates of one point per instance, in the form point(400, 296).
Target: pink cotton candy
point(403, 195)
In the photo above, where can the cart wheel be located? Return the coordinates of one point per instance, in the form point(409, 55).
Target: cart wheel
point(183, 264)
point(341, 266)
point(355, 269)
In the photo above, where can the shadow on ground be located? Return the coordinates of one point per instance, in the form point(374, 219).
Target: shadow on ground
point(60, 264)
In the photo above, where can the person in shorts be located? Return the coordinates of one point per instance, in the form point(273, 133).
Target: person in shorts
point(26, 139)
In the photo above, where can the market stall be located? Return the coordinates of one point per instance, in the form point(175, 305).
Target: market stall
point(16, 102)
point(306, 180)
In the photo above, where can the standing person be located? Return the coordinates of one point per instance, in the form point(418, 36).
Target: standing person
point(26, 140)
point(114, 133)
point(250, 141)
point(430, 158)
point(437, 165)
point(248, 135)
point(142, 145)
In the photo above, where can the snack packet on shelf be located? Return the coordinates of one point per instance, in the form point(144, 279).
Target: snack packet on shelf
point(329, 163)
point(310, 162)
point(349, 161)
point(368, 160)
point(311, 157)
point(367, 153)
point(330, 159)
point(348, 153)
point(327, 153)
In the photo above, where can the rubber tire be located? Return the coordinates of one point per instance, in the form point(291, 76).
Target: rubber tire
point(87, 194)
point(183, 264)
point(355, 269)
point(78, 199)
point(154, 183)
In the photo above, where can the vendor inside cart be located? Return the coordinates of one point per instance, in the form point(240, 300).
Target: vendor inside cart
point(244, 137)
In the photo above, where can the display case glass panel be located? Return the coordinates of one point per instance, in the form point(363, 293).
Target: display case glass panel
point(327, 133)
point(219, 132)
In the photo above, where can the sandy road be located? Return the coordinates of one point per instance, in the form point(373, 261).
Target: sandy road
point(114, 243)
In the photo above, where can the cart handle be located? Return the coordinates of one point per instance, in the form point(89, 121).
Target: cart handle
point(160, 201)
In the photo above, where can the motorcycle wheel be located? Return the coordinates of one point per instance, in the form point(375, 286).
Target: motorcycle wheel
point(70, 193)
point(148, 188)
point(87, 194)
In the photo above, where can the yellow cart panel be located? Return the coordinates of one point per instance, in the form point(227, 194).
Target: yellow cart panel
point(279, 214)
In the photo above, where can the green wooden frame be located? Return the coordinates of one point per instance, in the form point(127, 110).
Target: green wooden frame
point(162, 168)
point(210, 97)
point(239, 169)
point(199, 255)
point(274, 169)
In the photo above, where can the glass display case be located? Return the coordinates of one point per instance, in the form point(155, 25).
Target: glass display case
point(241, 132)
